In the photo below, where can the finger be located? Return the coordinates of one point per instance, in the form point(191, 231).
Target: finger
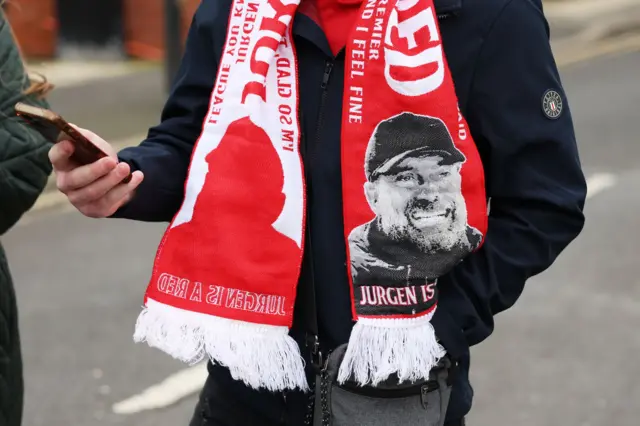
point(99, 187)
point(85, 175)
point(122, 202)
point(121, 194)
point(59, 156)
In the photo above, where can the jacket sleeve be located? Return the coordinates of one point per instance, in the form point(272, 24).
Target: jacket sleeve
point(533, 174)
point(164, 156)
point(24, 162)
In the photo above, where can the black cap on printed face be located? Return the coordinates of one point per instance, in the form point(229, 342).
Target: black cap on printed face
point(409, 135)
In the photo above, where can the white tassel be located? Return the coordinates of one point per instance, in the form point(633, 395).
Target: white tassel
point(259, 355)
point(384, 346)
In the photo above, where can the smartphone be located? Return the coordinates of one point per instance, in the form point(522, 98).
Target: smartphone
point(55, 129)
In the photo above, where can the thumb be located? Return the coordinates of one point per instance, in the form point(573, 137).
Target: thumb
point(59, 156)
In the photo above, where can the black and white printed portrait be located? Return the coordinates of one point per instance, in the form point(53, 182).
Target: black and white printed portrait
point(413, 186)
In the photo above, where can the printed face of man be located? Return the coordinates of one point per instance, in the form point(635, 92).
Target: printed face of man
point(420, 200)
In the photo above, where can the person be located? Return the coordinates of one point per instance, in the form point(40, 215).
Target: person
point(414, 189)
point(509, 91)
point(24, 169)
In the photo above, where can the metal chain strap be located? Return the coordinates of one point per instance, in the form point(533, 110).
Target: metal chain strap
point(308, 419)
point(324, 390)
point(324, 400)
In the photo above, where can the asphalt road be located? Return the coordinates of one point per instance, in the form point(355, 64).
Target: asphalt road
point(564, 355)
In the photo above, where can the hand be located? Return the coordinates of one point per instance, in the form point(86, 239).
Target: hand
point(96, 189)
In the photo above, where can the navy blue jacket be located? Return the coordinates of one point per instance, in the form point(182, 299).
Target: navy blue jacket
point(502, 65)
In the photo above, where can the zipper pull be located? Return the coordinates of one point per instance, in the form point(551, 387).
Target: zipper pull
point(327, 73)
point(424, 391)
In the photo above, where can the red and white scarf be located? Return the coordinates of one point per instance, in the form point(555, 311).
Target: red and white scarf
point(224, 280)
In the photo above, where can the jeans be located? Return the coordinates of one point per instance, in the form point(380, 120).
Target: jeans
point(226, 402)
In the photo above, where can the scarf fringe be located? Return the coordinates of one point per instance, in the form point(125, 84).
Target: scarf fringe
point(262, 356)
point(380, 347)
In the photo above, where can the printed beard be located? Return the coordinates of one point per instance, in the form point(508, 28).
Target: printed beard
point(426, 218)
point(425, 225)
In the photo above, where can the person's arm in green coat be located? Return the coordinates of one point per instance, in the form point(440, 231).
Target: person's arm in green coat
point(24, 162)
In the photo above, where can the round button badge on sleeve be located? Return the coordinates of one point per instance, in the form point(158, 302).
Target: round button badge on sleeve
point(552, 104)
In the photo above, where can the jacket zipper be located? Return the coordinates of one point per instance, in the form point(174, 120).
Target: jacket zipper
point(444, 16)
point(307, 155)
point(309, 151)
point(328, 67)
point(421, 389)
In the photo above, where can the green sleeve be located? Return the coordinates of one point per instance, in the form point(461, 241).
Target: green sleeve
point(24, 163)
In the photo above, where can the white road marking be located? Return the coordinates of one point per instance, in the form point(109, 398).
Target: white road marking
point(599, 182)
point(171, 390)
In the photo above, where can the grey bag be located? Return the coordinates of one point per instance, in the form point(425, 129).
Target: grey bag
point(388, 404)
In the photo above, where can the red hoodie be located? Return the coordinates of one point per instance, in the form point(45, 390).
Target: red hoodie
point(336, 17)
